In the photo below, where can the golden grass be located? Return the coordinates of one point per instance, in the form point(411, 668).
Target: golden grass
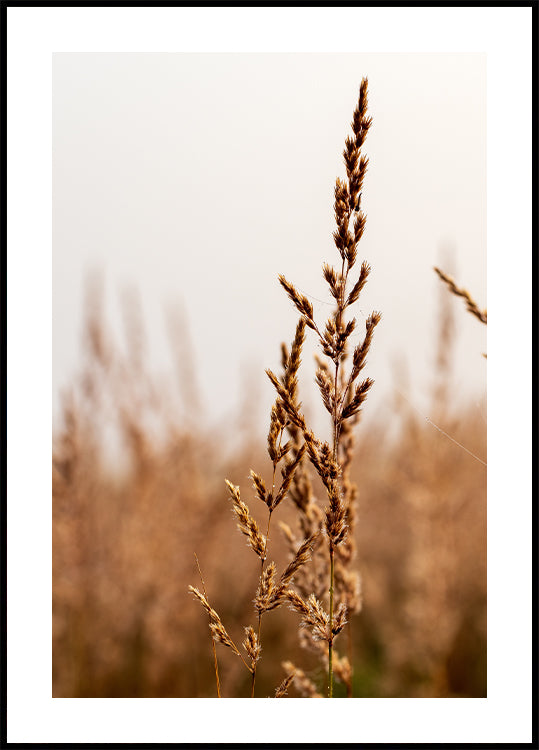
point(123, 543)
point(343, 396)
point(123, 540)
point(471, 305)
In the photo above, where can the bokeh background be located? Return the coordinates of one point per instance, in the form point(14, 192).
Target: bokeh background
point(182, 185)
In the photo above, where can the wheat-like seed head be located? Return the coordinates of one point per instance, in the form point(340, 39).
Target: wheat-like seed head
point(471, 305)
point(252, 645)
point(281, 691)
point(287, 474)
point(216, 626)
point(266, 589)
point(246, 523)
point(343, 398)
point(303, 683)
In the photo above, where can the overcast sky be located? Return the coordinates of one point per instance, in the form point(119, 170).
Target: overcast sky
point(198, 178)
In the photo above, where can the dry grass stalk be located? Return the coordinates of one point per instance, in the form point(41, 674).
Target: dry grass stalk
point(342, 395)
point(282, 690)
point(471, 305)
point(271, 591)
point(304, 684)
point(212, 640)
point(117, 536)
point(216, 626)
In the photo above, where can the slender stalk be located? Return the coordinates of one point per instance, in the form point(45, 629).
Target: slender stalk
point(331, 549)
point(263, 562)
point(330, 644)
point(260, 613)
point(212, 640)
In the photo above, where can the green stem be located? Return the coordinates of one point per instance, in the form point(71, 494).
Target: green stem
point(330, 653)
point(350, 659)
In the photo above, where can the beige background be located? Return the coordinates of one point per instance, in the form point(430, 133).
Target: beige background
point(197, 178)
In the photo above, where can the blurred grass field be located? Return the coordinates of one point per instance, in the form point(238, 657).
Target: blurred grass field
point(138, 488)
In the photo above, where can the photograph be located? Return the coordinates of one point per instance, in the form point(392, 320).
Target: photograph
point(269, 375)
point(261, 441)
